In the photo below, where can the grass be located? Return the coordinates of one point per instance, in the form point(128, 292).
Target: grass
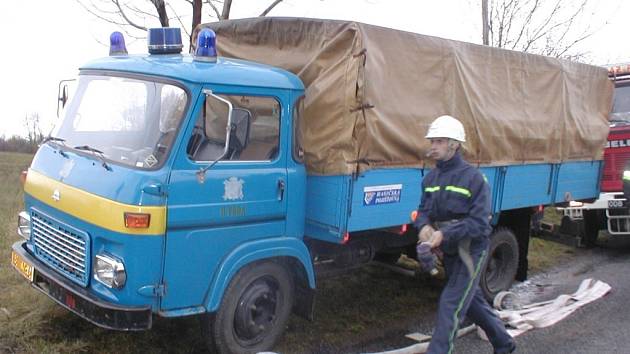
point(17, 302)
point(359, 306)
point(544, 254)
point(362, 306)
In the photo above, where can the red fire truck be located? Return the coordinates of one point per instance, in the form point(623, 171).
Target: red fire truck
point(610, 211)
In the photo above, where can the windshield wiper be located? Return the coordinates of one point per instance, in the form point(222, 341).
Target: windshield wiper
point(95, 152)
point(53, 138)
point(56, 140)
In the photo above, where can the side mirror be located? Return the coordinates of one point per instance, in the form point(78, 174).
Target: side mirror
point(223, 108)
point(239, 131)
point(62, 94)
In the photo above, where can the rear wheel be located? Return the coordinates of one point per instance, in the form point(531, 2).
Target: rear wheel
point(501, 263)
point(254, 310)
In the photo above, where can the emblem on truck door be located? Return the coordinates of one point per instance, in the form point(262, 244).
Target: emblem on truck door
point(233, 188)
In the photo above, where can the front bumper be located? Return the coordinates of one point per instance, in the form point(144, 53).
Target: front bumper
point(81, 302)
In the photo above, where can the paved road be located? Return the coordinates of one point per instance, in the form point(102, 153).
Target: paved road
point(602, 326)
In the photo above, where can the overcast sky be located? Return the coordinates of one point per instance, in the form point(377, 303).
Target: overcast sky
point(46, 41)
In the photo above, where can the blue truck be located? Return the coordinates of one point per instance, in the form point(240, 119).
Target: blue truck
point(179, 185)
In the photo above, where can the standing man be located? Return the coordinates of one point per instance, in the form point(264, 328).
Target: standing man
point(454, 215)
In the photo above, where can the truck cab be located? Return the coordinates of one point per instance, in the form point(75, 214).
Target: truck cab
point(610, 210)
point(167, 176)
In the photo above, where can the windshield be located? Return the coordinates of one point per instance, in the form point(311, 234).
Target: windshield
point(133, 122)
point(621, 107)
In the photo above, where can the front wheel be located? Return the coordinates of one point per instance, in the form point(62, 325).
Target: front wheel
point(254, 310)
point(501, 263)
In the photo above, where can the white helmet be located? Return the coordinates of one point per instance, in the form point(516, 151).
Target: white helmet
point(447, 127)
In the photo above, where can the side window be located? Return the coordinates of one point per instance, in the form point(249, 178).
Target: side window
point(254, 134)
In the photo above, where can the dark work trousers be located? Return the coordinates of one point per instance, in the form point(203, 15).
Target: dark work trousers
point(462, 297)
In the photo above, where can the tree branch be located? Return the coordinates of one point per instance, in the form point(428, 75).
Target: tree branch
point(544, 27)
point(179, 19)
point(269, 8)
point(227, 4)
point(124, 16)
point(214, 8)
point(141, 12)
point(97, 15)
point(160, 7)
point(526, 23)
point(508, 13)
point(492, 11)
point(539, 31)
point(502, 20)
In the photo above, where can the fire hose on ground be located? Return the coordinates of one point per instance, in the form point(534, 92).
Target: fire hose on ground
point(522, 318)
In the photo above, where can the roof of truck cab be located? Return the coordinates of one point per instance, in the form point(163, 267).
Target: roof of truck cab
point(225, 71)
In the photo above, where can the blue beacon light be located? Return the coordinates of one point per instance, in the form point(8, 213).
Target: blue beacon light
point(117, 44)
point(165, 40)
point(206, 46)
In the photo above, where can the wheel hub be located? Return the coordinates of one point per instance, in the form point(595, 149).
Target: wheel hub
point(256, 310)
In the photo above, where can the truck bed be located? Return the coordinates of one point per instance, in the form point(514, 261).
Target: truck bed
point(383, 198)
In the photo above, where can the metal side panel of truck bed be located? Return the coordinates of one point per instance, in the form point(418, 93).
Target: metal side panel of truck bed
point(384, 198)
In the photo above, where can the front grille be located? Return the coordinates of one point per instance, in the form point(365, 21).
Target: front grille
point(614, 165)
point(62, 247)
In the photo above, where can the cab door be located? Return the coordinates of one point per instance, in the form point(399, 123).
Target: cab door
point(238, 199)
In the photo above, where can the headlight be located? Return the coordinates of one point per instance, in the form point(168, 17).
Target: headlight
point(24, 225)
point(109, 271)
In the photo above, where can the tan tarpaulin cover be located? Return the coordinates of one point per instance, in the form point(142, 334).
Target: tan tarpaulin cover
point(371, 93)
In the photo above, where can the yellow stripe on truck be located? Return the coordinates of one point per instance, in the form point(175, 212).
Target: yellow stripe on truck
point(91, 208)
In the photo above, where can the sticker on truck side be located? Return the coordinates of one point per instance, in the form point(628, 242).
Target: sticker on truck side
point(374, 195)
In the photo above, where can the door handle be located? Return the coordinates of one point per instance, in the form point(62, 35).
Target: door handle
point(281, 187)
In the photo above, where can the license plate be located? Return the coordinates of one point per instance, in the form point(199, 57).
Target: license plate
point(615, 203)
point(24, 268)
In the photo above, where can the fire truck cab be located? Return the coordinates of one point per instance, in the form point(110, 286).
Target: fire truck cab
point(611, 211)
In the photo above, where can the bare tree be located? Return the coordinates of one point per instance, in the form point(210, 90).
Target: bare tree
point(134, 17)
point(33, 129)
point(160, 8)
point(485, 31)
point(548, 27)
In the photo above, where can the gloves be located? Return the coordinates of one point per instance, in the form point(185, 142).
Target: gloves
point(425, 233)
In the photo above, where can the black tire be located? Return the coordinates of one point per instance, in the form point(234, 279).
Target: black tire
point(501, 264)
point(591, 227)
point(254, 310)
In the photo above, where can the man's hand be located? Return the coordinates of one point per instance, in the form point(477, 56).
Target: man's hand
point(436, 239)
point(425, 233)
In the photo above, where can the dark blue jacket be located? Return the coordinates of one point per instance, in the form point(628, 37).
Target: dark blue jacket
point(455, 190)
